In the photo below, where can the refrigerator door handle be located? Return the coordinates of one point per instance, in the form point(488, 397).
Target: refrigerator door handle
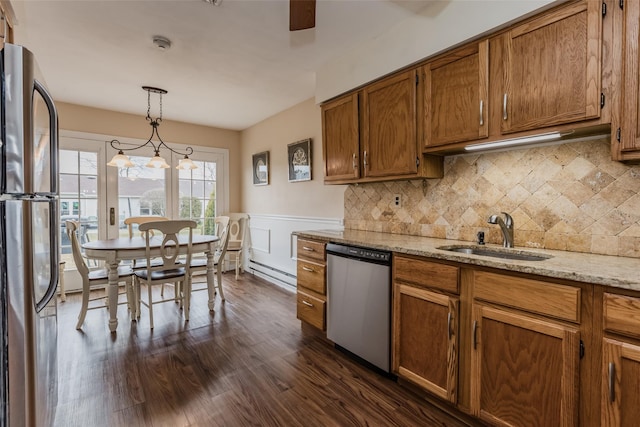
point(53, 128)
point(53, 256)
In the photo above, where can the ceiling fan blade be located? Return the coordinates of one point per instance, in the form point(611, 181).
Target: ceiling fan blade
point(302, 14)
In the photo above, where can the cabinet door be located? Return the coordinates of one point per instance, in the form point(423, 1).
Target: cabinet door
point(630, 133)
point(389, 127)
point(620, 384)
point(552, 69)
point(341, 139)
point(524, 371)
point(455, 96)
point(425, 346)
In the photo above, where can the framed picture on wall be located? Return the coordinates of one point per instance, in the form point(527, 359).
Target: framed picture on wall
point(299, 160)
point(261, 168)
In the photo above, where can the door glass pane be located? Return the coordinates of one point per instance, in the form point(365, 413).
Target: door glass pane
point(198, 195)
point(78, 198)
point(141, 191)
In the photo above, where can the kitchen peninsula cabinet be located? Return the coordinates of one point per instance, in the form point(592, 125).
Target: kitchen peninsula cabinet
point(524, 362)
point(621, 361)
point(455, 96)
point(425, 326)
point(312, 283)
point(552, 69)
point(626, 144)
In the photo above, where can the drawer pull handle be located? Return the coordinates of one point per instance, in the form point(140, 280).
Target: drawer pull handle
point(481, 113)
point(504, 107)
point(473, 334)
point(449, 318)
point(308, 304)
point(310, 270)
point(307, 248)
point(355, 161)
point(612, 382)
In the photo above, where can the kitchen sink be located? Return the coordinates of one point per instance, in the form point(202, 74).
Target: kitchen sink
point(496, 253)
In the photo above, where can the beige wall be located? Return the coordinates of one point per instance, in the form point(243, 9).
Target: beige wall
point(93, 120)
point(567, 197)
point(280, 197)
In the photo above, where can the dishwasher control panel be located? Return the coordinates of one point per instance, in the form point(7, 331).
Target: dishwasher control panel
point(382, 257)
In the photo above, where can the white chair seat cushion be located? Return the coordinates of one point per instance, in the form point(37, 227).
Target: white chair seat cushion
point(161, 274)
point(123, 271)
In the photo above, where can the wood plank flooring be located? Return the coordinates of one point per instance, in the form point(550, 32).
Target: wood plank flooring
point(248, 363)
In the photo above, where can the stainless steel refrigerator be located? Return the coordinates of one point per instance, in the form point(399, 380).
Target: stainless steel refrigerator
point(28, 243)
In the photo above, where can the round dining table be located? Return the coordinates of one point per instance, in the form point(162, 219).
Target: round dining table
point(113, 251)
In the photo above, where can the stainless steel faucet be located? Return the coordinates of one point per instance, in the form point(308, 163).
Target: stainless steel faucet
point(506, 226)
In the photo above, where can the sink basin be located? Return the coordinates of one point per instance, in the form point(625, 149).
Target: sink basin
point(496, 253)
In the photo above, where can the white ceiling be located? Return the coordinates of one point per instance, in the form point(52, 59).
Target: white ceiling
point(229, 66)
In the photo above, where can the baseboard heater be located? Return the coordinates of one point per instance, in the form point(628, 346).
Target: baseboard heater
point(272, 274)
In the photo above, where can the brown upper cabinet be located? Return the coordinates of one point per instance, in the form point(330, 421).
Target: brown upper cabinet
point(626, 145)
point(551, 69)
point(389, 146)
point(371, 135)
point(341, 139)
point(456, 96)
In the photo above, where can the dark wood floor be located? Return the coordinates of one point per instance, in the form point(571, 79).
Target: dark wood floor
point(246, 364)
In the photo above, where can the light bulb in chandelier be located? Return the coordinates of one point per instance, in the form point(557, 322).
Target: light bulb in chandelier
point(186, 164)
point(157, 162)
point(121, 160)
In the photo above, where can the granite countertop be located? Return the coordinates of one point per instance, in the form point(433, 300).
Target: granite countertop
point(619, 272)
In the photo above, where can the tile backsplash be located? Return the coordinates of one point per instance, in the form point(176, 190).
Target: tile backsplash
point(567, 197)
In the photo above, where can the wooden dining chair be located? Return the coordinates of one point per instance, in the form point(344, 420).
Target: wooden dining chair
point(170, 270)
point(133, 221)
point(200, 264)
point(237, 230)
point(94, 278)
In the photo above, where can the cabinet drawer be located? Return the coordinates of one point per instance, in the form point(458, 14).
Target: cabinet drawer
point(311, 249)
point(426, 273)
point(622, 314)
point(550, 299)
point(311, 310)
point(312, 276)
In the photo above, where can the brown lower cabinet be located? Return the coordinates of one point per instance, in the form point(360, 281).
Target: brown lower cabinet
point(427, 357)
point(524, 371)
point(507, 348)
point(312, 283)
point(620, 390)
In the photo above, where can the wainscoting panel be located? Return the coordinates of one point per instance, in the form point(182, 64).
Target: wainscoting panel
point(272, 247)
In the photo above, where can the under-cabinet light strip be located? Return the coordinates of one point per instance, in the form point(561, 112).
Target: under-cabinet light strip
point(515, 141)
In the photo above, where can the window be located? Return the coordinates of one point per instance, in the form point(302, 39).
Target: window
point(197, 195)
point(78, 196)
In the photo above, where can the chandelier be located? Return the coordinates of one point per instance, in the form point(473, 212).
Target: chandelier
point(121, 160)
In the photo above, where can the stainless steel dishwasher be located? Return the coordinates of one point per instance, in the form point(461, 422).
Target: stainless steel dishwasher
point(359, 302)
